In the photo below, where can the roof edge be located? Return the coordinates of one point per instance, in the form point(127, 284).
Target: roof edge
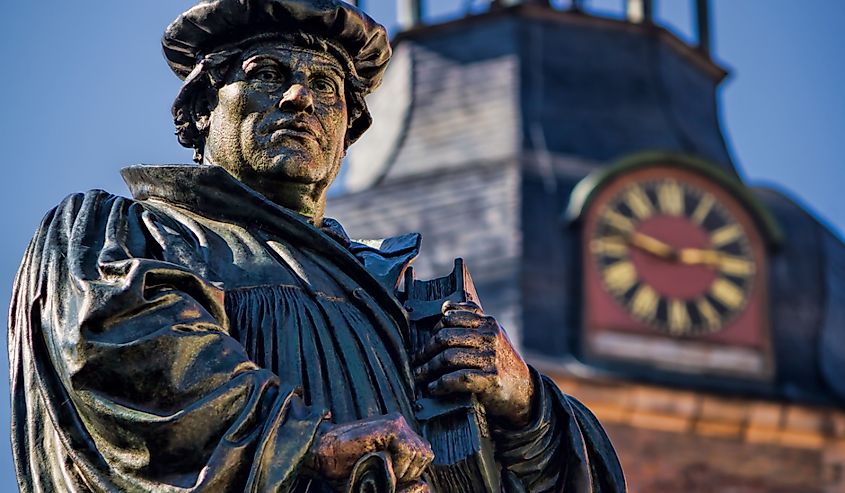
point(539, 12)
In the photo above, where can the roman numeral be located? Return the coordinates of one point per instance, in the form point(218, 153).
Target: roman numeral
point(609, 246)
point(644, 303)
point(703, 209)
point(618, 221)
point(735, 266)
point(670, 198)
point(679, 319)
point(708, 313)
point(639, 202)
point(727, 293)
point(620, 277)
point(726, 235)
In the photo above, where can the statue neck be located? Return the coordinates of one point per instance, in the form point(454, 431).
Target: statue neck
point(306, 199)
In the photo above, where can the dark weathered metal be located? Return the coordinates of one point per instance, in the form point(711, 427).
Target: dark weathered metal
point(455, 425)
point(216, 332)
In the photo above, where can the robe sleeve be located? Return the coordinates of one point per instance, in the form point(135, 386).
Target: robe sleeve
point(563, 449)
point(124, 377)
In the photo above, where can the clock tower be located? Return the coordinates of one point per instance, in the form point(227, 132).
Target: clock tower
point(576, 162)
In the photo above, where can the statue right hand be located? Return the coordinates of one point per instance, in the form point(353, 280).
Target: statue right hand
point(339, 448)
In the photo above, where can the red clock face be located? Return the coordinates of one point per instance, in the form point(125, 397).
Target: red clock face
point(670, 252)
point(673, 257)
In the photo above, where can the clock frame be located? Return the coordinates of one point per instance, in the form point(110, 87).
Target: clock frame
point(674, 274)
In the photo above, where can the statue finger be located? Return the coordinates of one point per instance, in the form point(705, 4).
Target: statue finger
point(453, 359)
point(422, 458)
point(464, 318)
point(411, 455)
point(402, 458)
point(468, 306)
point(454, 337)
point(414, 487)
point(472, 381)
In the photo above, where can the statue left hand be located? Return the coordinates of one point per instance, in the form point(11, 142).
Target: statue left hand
point(470, 352)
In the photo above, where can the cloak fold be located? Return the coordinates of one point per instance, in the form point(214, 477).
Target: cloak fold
point(174, 343)
point(124, 376)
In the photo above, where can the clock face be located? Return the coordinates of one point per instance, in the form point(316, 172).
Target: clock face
point(673, 256)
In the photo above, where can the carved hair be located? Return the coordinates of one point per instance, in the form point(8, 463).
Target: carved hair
point(194, 103)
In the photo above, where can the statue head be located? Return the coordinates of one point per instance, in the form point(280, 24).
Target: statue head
point(274, 90)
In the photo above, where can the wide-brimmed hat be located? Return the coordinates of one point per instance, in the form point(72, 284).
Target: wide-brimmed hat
point(214, 23)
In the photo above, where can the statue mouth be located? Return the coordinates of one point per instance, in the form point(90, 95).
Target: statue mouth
point(293, 128)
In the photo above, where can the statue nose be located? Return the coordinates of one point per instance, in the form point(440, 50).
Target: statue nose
point(297, 98)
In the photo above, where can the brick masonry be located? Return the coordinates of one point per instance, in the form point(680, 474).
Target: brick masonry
point(680, 441)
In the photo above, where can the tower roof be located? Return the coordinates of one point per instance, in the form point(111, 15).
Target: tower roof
point(532, 79)
point(486, 126)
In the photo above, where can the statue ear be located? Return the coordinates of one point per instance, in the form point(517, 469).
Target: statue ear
point(198, 98)
point(201, 106)
point(192, 114)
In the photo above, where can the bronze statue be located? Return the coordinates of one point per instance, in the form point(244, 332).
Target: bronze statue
point(217, 333)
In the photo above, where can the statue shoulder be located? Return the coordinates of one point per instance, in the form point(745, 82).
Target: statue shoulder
point(75, 207)
point(80, 202)
point(87, 219)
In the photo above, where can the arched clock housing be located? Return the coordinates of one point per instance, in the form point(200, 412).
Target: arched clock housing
point(674, 257)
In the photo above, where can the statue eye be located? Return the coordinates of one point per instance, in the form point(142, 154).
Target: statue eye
point(266, 74)
point(324, 85)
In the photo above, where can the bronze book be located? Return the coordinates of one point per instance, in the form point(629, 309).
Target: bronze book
point(456, 426)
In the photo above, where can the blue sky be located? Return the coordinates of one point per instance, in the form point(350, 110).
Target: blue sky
point(86, 92)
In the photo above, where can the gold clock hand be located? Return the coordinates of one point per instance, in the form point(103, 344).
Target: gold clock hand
point(697, 256)
point(728, 264)
point(651, 245)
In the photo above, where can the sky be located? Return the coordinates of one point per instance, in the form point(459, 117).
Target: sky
point(86, 92)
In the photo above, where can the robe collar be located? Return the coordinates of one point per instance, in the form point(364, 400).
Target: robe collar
point(211, 191)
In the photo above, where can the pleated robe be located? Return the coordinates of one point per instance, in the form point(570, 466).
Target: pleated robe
point(195, 337)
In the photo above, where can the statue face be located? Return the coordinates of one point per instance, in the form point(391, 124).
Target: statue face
point(280, 119)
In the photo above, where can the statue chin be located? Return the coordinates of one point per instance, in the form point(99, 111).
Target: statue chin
point(297, 162)
point(295, 167)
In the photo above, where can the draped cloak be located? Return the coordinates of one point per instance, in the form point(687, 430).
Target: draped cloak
point(195, 337)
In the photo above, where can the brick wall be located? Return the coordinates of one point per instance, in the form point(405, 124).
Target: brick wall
point(692, 442)
point(661, 461)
